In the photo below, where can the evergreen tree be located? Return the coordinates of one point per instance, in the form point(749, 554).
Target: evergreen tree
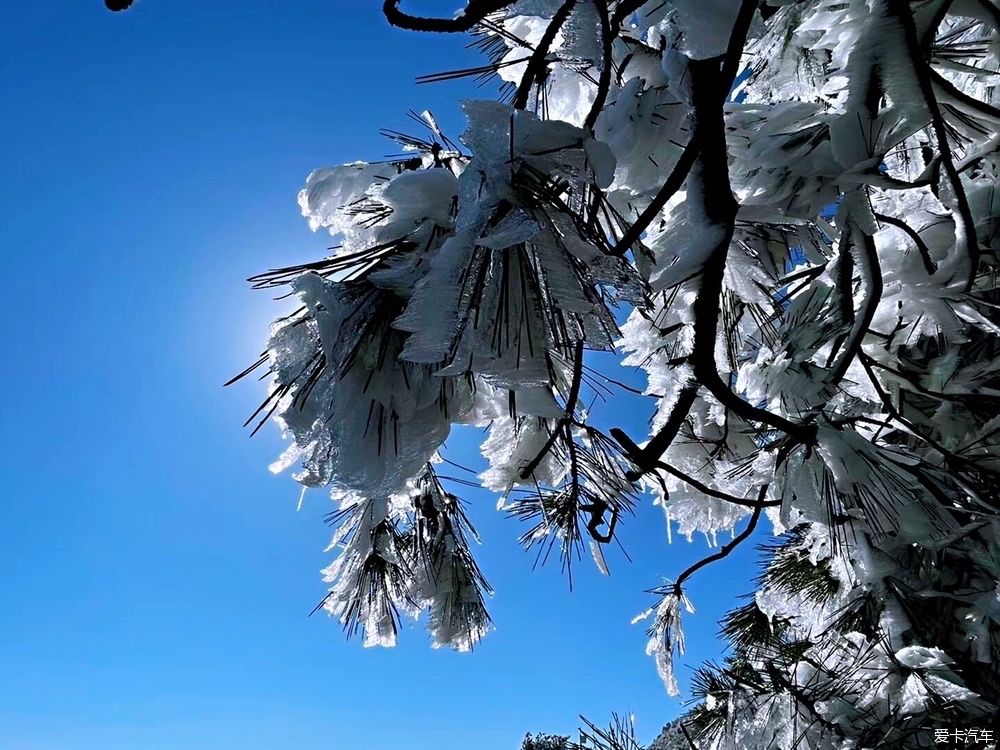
point(794, 204)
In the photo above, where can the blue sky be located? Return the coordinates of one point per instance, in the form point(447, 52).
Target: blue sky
point(155, 579)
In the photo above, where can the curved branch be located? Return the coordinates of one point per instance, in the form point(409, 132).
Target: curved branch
point(566, 419)
point(924, 75)
point(726, 76)
point(951, 91)
point(873, 272)
point(930, 33)
point(674, 182)
point(925, 253)
point(472, 14)
point(710, 85)
point(705, 489)
point(727, 548)
point(604, 81)
point(536, 64)
point(645, 458)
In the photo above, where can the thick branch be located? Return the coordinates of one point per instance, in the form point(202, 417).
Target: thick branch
point(726, 77)
point(720, 207)
point(951, 91)
point(607, 63)
point(473, 13)
point(711, 81)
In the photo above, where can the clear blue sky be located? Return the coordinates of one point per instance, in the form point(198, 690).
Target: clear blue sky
point(155, 579)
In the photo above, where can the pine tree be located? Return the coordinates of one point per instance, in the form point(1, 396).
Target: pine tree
point(792, 206)
point(545, 742)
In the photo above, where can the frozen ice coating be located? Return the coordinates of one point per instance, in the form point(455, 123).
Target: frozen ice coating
point(329, 194)
point(343, 378)
point(704, 25)
point(666, 636)
point(415, 197)
point(500, 137)
point(634, 128)
point(382, 572)
point(786, 217)
point(509, 448)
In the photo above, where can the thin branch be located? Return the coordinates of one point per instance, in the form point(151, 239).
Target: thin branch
point(923, 73)
point(726, 548)
point(925, 253)
point(568, 412)
point(675, 181)
point(535, 70)
point(705, 489)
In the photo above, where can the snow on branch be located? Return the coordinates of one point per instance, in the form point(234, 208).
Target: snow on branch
point(786, 217)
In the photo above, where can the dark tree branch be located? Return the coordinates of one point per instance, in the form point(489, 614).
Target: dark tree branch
point(901, 10)
point(866, 363)
point(675, 181)
point(607, 63)
point(873, 273)
point(645, 458)
point(567, 418)
point(473, 13)
point(925, 254)
point(535, 70)
point(705, 489)
point(949, 89)
point(736, 541)
point(727, 76)
point(711, 82)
